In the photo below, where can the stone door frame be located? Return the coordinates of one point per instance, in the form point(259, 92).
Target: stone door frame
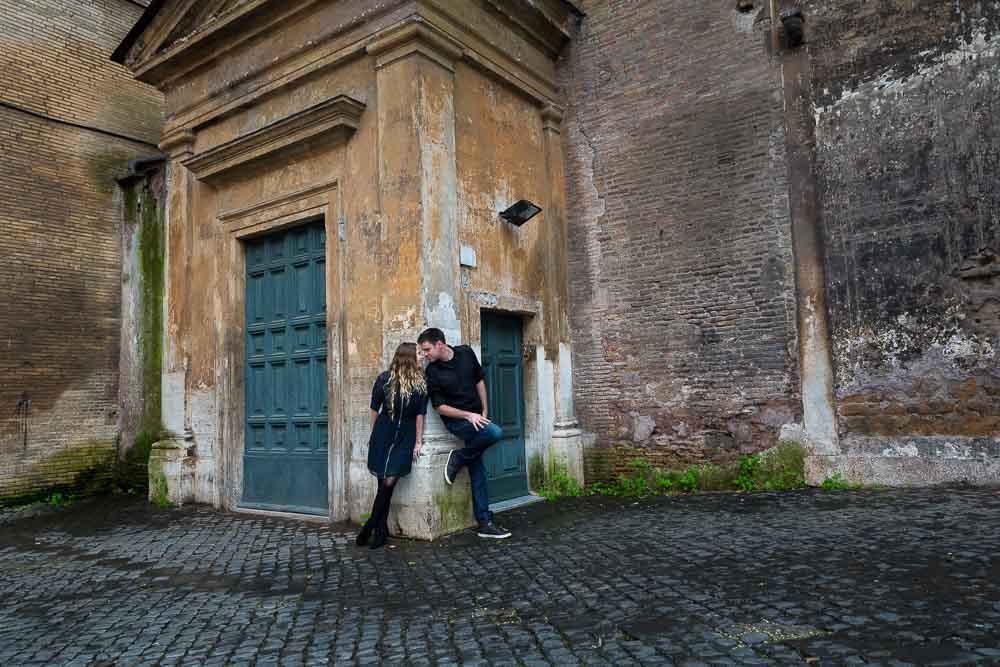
point(288, 210)
point(539, 402)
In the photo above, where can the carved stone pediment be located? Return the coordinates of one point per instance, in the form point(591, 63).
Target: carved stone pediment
point(167, 22)
point(338, 115)
point(175, 36)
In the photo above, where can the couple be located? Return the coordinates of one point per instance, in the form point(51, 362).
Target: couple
point(456, 386)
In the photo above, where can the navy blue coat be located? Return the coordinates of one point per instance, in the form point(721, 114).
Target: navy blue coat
point(390, 448)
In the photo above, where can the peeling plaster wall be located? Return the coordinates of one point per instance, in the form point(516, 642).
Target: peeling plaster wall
point(367, 238)
point(501, 159)
point(681, 270)
point(908, 146)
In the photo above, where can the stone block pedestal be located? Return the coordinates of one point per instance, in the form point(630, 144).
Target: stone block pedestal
point(424, 506)
point(171, 473)
point(566, 450)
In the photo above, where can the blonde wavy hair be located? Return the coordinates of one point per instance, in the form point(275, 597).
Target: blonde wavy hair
point(405, 376)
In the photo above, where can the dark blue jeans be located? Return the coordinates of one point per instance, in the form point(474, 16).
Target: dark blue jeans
point(476, 442)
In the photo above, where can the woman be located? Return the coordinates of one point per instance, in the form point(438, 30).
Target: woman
point(399, 403)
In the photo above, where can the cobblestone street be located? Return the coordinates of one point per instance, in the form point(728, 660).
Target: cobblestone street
point(867, 577)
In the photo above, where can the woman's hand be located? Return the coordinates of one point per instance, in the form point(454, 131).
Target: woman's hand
point(416, 451)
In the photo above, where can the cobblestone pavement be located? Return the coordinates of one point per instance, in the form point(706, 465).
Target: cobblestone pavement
point(817, 578)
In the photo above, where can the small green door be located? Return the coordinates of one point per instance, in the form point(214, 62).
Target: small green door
point(285, 458)
point(502, 364)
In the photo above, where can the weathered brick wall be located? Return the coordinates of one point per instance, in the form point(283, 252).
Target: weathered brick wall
point(55, 61)
point(682, 278)
point(908, 148)
point(60, 278)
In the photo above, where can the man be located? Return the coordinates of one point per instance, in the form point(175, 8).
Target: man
point(457, 389)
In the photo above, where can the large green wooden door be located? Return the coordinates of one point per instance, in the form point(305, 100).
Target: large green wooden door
point(285, 458)
point(502, 363)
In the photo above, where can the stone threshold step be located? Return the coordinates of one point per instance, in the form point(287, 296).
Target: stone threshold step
point(514, 503)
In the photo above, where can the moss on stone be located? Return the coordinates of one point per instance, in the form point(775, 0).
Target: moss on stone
point(87, 468)
point(158, 489)
point(151, 268)
point(132, 472)
point(536, 472)
point(144, 214)
point(452, 509)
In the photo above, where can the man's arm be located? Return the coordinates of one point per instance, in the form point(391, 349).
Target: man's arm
point(455, 413)
point(481, 390)
point(435, 391)
point(449, 411)
point(477, 420)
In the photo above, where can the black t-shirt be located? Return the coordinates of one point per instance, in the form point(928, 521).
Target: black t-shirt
point(453, 383)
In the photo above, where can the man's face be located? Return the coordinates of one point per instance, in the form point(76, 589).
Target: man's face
point(432, 351)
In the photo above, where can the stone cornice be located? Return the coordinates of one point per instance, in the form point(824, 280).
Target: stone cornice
point(168, 17)
point(547, 21)
point(338, 114)
point(552, 117)
point(220, 106)
point(276, 202)
point(178, 144)
point(284, 209)
point(536, 81)
point(414, 37)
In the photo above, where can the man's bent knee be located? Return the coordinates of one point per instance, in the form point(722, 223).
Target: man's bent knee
point(494, 432)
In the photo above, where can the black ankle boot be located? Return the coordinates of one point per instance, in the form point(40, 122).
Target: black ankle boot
point(365, 533)
point(379, 537)
point(378, 507)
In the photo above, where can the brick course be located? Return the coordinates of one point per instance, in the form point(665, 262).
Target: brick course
point(60, 281)
point(682, 279)
point(54, 56)
point(681, 262)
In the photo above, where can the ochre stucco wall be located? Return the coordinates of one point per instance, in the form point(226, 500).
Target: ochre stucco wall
point(444, 140)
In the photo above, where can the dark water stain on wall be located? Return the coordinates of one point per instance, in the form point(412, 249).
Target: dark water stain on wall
point(907, 156)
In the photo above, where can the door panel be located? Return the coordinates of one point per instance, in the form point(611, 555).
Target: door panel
point(285, 458)
point(502, 364)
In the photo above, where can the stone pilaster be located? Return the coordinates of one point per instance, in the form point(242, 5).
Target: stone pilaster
point(170, 471)
point(418, 188)
point(566, 447)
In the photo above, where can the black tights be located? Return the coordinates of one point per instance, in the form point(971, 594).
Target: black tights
point(380, 508)
point(377, 523)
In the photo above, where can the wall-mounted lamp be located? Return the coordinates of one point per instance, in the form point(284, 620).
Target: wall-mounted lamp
point(520, 212)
